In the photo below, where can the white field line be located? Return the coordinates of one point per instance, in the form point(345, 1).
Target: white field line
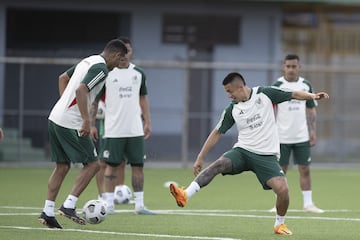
point(120, 233)
point(195, 210)
point(205, 212)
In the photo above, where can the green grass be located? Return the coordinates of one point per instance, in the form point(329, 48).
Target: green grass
point(233, 207)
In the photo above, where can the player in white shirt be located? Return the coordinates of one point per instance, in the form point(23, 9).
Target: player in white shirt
point(69, 128)
point(127, 125)
point(257, 148)
point(296, 122)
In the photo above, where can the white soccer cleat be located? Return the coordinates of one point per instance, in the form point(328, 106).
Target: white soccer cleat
point(313, 209)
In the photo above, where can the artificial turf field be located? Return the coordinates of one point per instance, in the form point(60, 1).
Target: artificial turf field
point(231, 207)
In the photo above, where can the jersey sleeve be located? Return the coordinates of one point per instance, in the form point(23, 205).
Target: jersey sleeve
point(101, 95)
point(96, 74)
point(143, 88)
point(226, 120)
point(71, 70)
point(275, 94)
point(310, 103)
point(277, 84)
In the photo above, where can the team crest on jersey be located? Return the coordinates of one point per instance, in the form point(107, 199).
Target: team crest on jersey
point(258, 103)
point(106, 154)
point(135, 79)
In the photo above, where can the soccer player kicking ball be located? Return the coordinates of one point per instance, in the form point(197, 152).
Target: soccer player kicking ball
point(257, 148)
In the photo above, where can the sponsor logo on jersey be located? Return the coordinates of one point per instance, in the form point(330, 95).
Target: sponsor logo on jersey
point(106, 154)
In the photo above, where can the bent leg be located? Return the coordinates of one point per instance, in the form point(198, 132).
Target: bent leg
point(221, 165)
point(84, 177)
point(280, 187)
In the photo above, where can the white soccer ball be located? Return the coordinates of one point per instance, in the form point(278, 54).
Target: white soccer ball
point(94, 211)
point(122, 194)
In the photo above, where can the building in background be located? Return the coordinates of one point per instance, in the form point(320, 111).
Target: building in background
point(186, 48)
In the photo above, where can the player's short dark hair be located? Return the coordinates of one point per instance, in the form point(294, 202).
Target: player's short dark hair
point(231, 76)
point(125, 40)
point(292, 57)
point(116, 45)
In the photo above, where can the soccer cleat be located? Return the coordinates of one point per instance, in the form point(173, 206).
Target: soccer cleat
point(144, 211)
point(179, 195)
point(50, 222)
point(313, 209)
point(282, 229)
point(71, 214)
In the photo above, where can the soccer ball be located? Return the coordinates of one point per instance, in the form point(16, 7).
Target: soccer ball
point(94, 211)
point(122, 194)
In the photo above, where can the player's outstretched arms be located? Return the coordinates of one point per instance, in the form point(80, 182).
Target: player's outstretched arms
point(321, 95)
point(301, 95)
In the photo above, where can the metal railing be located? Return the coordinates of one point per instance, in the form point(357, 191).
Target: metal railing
point(337, 118)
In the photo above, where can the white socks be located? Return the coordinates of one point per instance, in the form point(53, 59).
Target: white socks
point(108, 198)
point(70, 201)
point(307, 195)
point(192, 189)
point(279, 220)
point(139, 200)
point(49, 208)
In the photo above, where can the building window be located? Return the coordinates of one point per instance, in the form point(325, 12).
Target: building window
point(49, 29)
point(207, 29)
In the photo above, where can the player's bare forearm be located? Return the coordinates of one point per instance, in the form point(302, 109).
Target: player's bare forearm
point(1, 134)
point(311, 119)
point(311, 122)
point(81, 99)
point(210, 142)
point(302, 95)
point(93, 130)
point(144, 105)
point(93, 111)
point(63, 82)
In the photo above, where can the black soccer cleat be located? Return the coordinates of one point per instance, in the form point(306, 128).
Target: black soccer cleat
point(50, 222)
point(71, 214)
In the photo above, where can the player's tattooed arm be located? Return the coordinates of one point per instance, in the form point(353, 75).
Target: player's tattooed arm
point(93, 111)
point(93, 130)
